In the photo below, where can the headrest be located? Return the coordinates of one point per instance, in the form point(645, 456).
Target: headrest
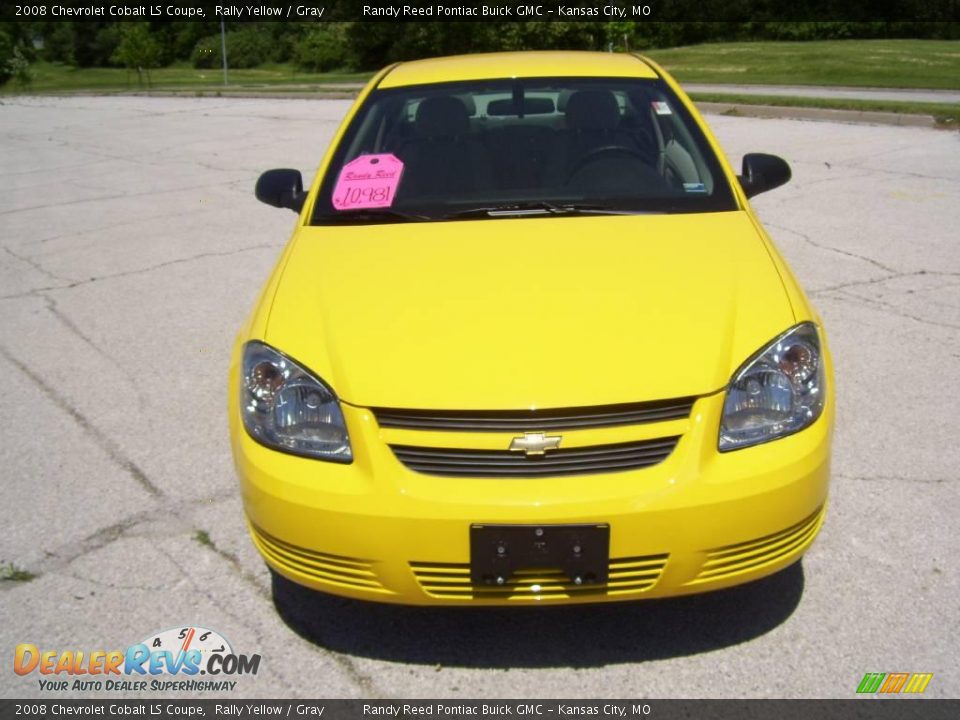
point(468, 102)
point(593, 110)
point(441, 116)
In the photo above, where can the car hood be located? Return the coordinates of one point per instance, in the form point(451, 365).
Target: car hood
point(528, 313)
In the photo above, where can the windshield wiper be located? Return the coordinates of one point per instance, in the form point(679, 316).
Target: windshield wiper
point(529, 209)
point(386, 215)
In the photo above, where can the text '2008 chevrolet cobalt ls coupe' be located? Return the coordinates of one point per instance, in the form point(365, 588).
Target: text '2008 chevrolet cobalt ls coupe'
point(529, 343)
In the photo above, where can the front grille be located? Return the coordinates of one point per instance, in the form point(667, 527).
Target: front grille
point(334, 569)
point(452, 581)
point(733, 560)
point(565, 461)
point(536, 420)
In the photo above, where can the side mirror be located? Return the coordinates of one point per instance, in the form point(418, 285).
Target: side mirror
point(282, 188)
point(763, 172)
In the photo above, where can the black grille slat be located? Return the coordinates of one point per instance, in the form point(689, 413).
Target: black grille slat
point(504, 463)
point(526, 472)
point(543, 420)
point(452, 580)
point(553, 457)
point(527, 465)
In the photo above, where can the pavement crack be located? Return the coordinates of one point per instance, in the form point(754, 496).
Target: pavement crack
point(202, 590)
point(363, 682)
point(101, 439)
point(36, 266)
point(859, 283)
point(167, 263)
point(114, 586)
point(72, 327)
point(889, 308)
point(830, 248)
point(104, 198)
point(875, 281)
point(138, 271)
point(898, 478)
point(905, 173)
point(234, 562)
point(800, 187)
point(59, 558)
point(178, 261)
point(99, 230)
point(33, 293)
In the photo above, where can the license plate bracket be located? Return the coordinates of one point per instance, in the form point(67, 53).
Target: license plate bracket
point(580, 551)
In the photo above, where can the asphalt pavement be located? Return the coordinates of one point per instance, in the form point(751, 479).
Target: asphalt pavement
point(132, 249)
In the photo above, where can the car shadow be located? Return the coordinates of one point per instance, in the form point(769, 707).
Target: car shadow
point(541, 636)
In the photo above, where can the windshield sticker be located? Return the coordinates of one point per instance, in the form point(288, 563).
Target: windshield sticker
point(368, 181)
point(695, 187)
point(661, 108)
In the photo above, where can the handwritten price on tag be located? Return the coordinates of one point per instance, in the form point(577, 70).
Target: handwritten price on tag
point(369, 181)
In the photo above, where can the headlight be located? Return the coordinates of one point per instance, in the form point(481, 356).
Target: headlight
point(286, 408)
point(777, 392)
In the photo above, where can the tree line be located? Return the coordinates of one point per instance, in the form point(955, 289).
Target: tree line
point(358, 46)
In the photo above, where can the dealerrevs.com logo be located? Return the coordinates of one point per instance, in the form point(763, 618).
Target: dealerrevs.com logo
point(166, 661)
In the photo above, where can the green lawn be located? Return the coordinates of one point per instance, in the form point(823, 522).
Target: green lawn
point(55, 77)
point(866, 63)
point(945, 114)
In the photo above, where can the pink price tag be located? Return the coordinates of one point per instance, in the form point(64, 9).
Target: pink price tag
point(369, 181)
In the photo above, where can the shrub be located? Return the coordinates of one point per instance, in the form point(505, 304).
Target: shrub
point(246, 48)
point(321, 49)
point(206, 53)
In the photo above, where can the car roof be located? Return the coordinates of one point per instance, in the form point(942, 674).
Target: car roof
point(487, 66)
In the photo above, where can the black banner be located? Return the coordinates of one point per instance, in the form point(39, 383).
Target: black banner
point(485, 10)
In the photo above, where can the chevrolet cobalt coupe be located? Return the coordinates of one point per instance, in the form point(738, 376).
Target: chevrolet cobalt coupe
point(529, 343)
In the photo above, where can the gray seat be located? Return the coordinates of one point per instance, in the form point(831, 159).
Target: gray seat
point(443, 157)
point(594, 124)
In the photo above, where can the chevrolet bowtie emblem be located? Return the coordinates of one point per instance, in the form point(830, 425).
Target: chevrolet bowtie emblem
point(535, 443)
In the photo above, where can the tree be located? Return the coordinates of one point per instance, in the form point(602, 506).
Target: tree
point(137, 50)
point(6, 56)
point(322, 48)
point(18, 68)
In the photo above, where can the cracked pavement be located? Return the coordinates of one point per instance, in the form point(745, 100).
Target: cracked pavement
point(132, 248)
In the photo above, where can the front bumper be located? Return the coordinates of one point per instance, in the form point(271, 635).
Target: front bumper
point(375, 530)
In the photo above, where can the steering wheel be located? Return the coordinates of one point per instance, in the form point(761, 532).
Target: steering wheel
point(604, 153)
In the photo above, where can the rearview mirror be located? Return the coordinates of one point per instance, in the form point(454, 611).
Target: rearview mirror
point(763, 172)
point(282, 188)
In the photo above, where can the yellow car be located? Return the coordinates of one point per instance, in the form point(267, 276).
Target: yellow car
point(529, 344)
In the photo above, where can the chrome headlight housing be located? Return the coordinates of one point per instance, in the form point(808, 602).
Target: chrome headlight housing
point(777, 392)
point(287, 408)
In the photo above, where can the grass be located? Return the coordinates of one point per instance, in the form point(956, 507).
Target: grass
point(947, 115)
point(203, 537)
point(57, 77)
point(864, 63)
point(9, 572)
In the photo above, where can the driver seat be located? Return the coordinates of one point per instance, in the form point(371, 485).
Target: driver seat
point(593, 122)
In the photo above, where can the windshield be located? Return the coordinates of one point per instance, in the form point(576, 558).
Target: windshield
point(520, 147)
